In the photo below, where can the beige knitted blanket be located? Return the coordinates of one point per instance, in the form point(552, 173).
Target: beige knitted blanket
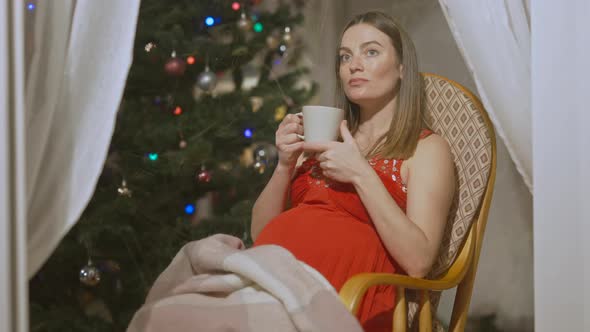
point(214, 284)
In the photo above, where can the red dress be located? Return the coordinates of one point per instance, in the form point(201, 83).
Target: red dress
point(329, 228)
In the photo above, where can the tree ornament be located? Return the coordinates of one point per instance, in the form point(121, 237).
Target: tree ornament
point(247, 156)
point(123, 190)
point(280, 113)
point(289, 101)
point(175, 66)
point(287, 38)
point(264, 155)
point(239, 51)
point(90, 274)
point(244, 23)
point(282, 49)
point(204, 176)
point(150, 46)
point(207, 80)
point(226, 166)
point(256, 102)
point(272, 41)
point(182, 144)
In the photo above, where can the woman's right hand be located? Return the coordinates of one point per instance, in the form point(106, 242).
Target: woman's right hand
point(287, 140)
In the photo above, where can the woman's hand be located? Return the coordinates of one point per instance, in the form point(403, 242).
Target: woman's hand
point(288, 141)
point(340, 161)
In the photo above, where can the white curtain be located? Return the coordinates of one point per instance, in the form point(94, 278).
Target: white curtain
point(13, 274)
point(494, 38)
point(560, 72)
point(79, 54)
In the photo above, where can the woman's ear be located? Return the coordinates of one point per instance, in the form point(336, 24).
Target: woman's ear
point(401, 71)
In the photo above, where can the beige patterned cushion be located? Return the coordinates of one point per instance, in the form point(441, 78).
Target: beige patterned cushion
point(455, 115)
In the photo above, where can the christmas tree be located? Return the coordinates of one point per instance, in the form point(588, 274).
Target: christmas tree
point(192, 148)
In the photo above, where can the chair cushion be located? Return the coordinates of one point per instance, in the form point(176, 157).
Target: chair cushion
point(452, 112)
point(455, 115)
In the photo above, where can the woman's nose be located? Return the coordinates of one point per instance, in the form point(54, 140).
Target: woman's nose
point(355, 64)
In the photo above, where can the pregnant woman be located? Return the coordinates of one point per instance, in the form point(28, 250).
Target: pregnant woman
point(377, 200)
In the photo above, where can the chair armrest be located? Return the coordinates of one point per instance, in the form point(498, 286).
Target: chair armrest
point(355, 288)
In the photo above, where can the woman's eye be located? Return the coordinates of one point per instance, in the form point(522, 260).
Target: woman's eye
point(344, 57)
point(372, 52)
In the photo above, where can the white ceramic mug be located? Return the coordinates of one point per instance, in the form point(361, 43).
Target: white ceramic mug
point(321, 123)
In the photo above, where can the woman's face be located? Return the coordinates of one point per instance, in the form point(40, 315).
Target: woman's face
point(369, 66)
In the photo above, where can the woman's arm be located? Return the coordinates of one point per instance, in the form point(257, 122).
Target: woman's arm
point(414, 238)
point(272, 200)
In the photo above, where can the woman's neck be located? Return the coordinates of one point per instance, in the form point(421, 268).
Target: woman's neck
point(375, 120)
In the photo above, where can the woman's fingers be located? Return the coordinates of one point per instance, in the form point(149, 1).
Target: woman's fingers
point(291, 128)
point(291, 118)
point(322, 157)
point(293, 147)
point(289, 139)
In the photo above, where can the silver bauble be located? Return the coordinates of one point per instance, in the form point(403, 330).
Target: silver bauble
point(207, 80)
point(265, 154)
point(90, 274)
point(282, 49)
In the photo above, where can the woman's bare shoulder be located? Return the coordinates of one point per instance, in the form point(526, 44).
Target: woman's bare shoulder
point(432, 150)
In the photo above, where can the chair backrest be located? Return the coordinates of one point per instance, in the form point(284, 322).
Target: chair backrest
point(456, 114)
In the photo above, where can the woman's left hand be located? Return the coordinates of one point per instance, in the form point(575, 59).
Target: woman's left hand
point(340, 161)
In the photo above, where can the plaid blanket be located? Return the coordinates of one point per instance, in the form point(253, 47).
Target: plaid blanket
point(214, 284)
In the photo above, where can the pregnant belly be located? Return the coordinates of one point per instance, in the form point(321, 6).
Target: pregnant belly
point(314, 226)
point(330, 240)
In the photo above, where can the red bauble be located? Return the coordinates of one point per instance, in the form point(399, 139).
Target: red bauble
point(204, 176)
point(175, 67)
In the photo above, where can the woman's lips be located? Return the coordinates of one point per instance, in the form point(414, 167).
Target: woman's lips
point(357, 81)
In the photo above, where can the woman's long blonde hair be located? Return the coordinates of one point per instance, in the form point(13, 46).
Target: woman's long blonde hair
point(408, 120)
